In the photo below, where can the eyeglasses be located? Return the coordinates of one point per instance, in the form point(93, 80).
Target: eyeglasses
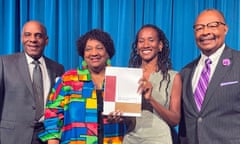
point(211, 26)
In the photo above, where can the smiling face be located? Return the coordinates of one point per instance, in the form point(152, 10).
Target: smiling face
point(34, 39)
point(95, 55)
point(210, 38)
point(148, 44)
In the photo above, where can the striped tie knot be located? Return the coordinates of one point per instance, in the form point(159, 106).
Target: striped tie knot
point(208, 62)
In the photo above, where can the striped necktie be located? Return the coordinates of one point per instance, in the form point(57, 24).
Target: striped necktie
point(202, 84)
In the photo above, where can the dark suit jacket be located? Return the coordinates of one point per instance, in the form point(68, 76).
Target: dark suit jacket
point(219, 120)
point(17, 104)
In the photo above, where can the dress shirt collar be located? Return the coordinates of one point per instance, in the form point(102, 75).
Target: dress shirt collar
point(214, 57)
point(30, 59)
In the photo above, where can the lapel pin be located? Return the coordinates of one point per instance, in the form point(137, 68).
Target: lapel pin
point(226, 62)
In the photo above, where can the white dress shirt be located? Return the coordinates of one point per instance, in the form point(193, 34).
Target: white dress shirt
point(201, 63)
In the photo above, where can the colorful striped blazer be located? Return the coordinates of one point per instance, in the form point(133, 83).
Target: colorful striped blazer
point(72, 113)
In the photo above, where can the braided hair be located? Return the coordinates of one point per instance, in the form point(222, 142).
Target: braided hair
point(164, 61)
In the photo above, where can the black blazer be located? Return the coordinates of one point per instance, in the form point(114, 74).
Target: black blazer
point(218, 122)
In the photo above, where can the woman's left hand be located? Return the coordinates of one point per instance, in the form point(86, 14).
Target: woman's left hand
point(145, 88)
point(115, 116)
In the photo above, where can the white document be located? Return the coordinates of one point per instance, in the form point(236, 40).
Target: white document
point(121, 86)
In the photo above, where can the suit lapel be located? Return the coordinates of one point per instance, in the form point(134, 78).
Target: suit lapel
point(218, 75)
point(188, 95)
point(51, 73)
point(190, 90)
point(22, 66)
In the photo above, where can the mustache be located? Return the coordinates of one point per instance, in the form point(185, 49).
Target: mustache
point(207, 37)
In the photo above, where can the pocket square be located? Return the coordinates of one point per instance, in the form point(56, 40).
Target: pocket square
point(228, 83)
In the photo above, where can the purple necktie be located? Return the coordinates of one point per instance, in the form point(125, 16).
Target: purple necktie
point(202, 84)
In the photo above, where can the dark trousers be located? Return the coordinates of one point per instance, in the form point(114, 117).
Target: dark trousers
point(38, 127)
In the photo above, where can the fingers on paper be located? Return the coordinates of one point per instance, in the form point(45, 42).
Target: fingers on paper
point(115, 116)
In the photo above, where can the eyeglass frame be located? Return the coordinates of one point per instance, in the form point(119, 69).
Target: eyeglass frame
point(218, 23)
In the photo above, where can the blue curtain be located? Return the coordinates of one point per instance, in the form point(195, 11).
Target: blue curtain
point(66, 20)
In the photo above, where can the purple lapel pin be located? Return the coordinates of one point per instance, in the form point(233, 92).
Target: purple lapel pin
point(226, 62)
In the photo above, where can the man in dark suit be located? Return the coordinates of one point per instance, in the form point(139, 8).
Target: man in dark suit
point(18, 103)
point(211, 116)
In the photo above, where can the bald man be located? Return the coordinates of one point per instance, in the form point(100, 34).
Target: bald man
point(19, 123)
point(211, 116)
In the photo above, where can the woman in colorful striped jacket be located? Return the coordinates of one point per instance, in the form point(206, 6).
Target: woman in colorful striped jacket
point(74, 109)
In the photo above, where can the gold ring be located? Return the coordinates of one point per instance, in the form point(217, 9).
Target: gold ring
point(144, 83)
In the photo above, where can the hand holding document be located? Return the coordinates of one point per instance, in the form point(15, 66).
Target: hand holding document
point(121, 86)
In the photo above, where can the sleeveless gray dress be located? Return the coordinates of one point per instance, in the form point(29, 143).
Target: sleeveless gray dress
point(150, 127)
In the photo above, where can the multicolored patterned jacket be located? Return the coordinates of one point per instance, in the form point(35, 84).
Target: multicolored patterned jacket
point(72, 113)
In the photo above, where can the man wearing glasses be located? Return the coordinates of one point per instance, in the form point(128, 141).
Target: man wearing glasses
point(211, 86)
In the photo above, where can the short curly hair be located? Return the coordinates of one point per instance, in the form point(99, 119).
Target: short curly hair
point(96, 34)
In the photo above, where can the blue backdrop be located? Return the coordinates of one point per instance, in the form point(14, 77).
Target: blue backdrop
point(66, 20)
